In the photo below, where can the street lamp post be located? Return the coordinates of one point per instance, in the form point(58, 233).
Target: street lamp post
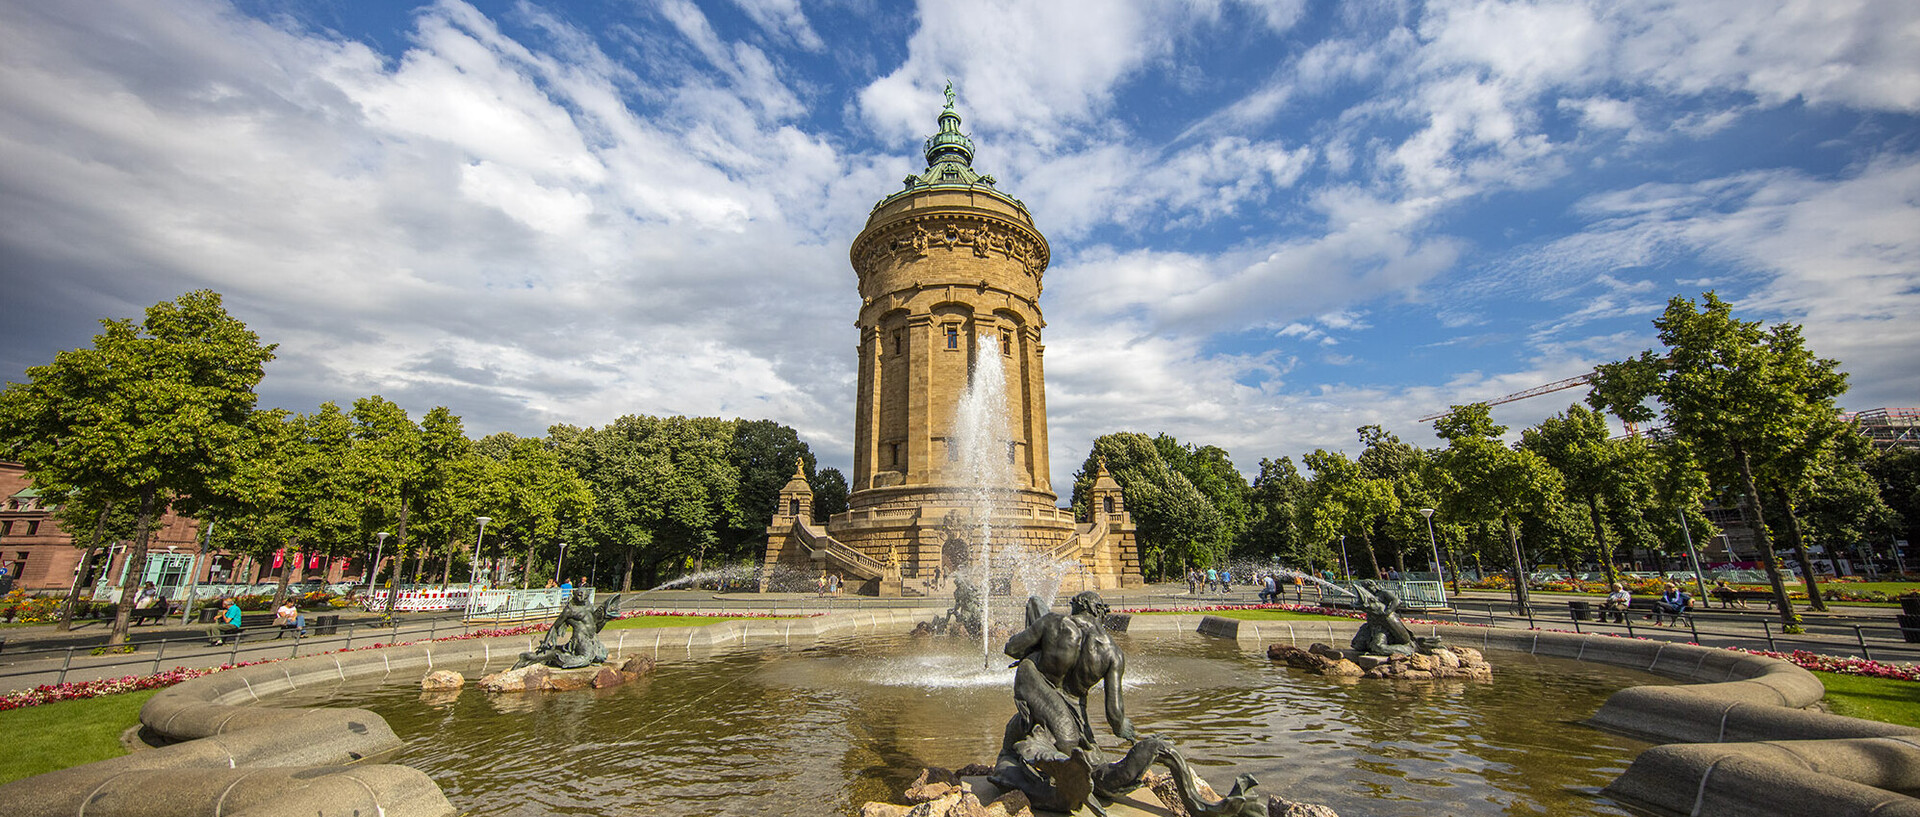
point(1344, 569)
point(1699, 578)
point(1435, 543)
point(379, 551)
point(473, 571)
point(558, 561)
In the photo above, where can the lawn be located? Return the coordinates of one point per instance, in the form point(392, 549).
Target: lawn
point(1249, 615)
point(640, 622)
point(1879, 699)
point(55, 736)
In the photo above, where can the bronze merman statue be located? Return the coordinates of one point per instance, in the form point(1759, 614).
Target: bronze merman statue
point(574, 639)
point(1048, 751)
point(1384, 633)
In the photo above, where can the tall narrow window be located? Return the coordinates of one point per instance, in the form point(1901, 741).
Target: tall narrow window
point(793, 506)
point(33, 528)
point(1006, 341)
point(893, 454)
point(953, 336)
point(1109, 504)
point(899, 341)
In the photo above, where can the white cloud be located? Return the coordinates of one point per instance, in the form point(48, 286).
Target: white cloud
point(784, 19)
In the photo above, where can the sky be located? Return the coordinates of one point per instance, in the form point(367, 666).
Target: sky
point(1271, 222)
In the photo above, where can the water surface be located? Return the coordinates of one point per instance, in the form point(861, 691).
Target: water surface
point(822, 730)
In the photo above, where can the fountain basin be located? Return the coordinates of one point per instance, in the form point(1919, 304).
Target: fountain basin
point(267, 752)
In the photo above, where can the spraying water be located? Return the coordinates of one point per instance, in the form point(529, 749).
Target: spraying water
point(980, 429)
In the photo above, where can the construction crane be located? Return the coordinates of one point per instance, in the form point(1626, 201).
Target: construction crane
point(1536, 391)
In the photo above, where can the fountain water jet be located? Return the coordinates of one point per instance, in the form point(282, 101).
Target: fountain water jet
point(980, 426)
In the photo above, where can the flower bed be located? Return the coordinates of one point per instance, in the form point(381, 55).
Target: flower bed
point(52, 693)
point(1800, 658)
point(1334, 612)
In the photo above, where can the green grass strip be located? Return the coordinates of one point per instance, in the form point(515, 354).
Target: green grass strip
point(56, 736)
point(1878, 699)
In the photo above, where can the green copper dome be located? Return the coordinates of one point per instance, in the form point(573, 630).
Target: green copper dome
point(949, 159)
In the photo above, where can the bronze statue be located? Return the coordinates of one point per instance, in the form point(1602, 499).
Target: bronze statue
point(1048, 751)
point(1384, 633)
point(574, 639)
point(965, 611)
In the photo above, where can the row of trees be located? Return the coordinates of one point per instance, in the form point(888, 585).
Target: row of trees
point(162, 414)
point(1748, 421)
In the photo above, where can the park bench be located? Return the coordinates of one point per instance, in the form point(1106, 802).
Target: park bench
point(1765, 597)
point(1584, 610)
point(155, 614)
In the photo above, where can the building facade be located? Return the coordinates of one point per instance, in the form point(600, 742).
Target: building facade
point(42, 558)
point(949, 269)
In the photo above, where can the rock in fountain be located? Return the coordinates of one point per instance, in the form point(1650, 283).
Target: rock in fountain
point(1385, 648)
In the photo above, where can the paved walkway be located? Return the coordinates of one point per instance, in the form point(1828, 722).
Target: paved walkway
point(34, 655)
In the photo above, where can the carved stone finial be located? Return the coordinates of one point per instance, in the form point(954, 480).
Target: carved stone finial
point(800, 466)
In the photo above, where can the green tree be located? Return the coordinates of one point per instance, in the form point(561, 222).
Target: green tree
point(1486, 481)
point(91, 524)
point(662, 488)
point(1176, 522)
point(1736, 393)
point(541, 495)
point(1896, 474)
point(153, 413)
point(397, 465)
point(762, 452)
point(1595, 468)
point(1346, 503)
point(1278, 516)
point(829, 493)
point(1842, 508)
point(1383, 456)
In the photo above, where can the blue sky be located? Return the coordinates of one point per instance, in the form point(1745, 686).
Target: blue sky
point(1271, 222)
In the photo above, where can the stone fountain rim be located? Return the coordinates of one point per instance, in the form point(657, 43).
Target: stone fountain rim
point(283, 760)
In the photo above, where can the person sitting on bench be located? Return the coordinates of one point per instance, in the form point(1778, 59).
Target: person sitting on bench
point(288, 617)
point(1616, 604)
point(1672, 604)
point(1727, 595)
point(148, 605)
point(228, 624)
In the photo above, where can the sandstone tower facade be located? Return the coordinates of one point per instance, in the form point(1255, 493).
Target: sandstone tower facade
point(949, 270)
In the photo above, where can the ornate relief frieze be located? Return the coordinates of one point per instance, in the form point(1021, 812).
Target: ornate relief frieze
point(915, 238)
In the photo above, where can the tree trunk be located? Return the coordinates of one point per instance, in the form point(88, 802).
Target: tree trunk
point(80, 574)
point(1519, 564)
point(1800, 550)
point(1756, 521)
point(136, 565)
point(1600, 541)
point(1366, 544)
point(399, 548)
point(626, 573)
point(289, 562)
point(446, 568)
